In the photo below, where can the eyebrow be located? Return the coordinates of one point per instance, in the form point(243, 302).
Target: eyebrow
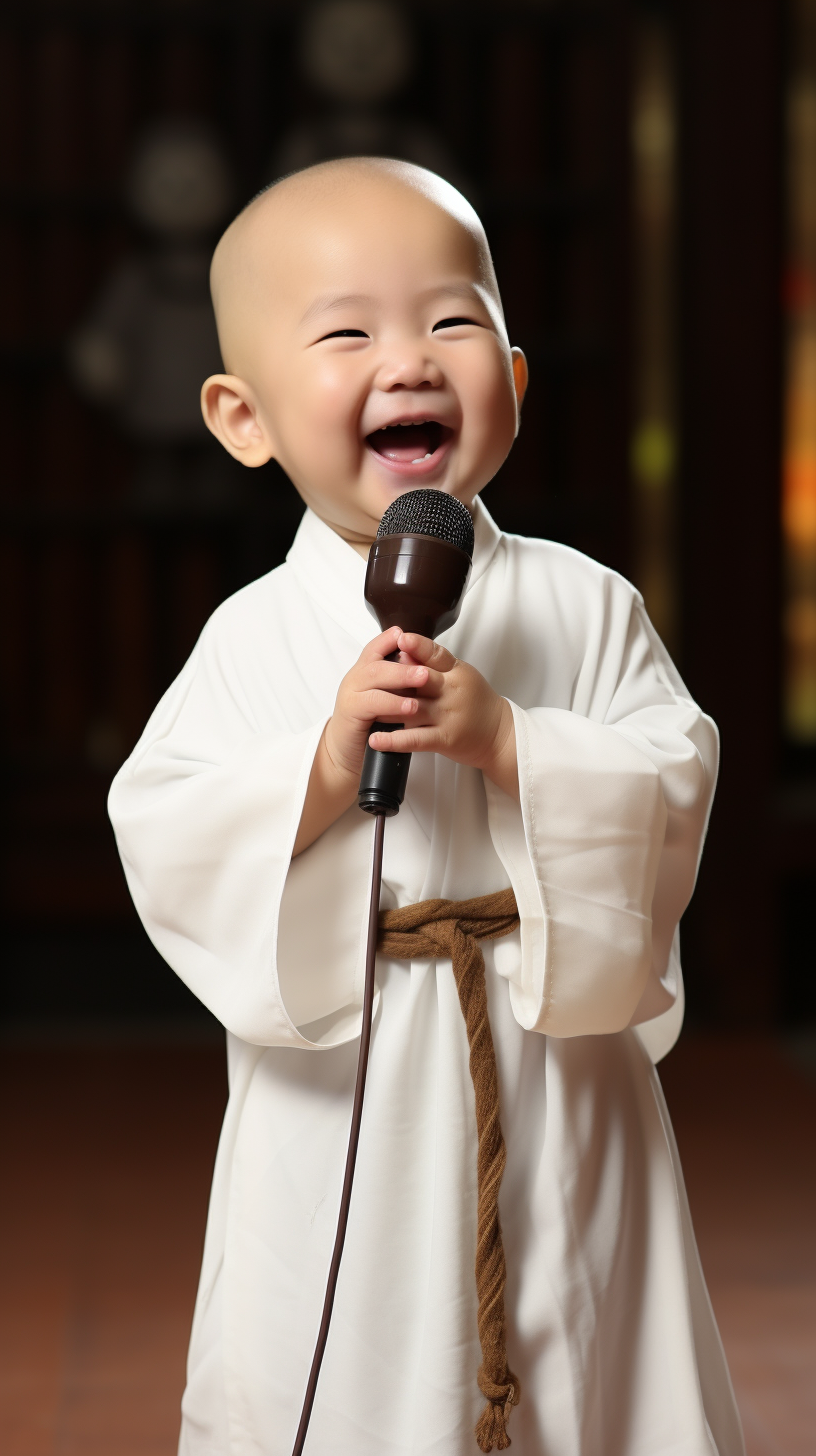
point(331, 302)
point(328, 302)
point(455, 290)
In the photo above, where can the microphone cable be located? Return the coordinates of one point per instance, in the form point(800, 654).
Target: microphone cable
point(354, 1132)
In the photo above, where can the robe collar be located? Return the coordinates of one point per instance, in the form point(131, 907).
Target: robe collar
point(332, 573)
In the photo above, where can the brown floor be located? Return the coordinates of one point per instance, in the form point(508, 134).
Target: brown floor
point(107, 1152)
point(745, 1118)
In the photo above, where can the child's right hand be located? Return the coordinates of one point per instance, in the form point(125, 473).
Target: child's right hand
point(372, 690)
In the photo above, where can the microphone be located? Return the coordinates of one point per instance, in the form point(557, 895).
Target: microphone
point(417, 572)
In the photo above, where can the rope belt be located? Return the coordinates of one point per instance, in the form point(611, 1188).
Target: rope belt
point(451, 929)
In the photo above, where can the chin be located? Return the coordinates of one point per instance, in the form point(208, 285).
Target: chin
point(388, 486)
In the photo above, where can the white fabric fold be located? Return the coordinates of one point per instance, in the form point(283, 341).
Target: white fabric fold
point(210, 886)
point(593, 820)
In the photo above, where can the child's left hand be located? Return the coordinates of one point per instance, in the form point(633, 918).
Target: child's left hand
point(458, 715)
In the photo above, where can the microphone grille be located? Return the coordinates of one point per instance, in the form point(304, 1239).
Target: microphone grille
point(429, 513)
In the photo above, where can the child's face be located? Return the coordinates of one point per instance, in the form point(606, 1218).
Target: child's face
point(377, 359)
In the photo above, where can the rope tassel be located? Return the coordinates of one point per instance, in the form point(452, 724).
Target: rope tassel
point(452, 929)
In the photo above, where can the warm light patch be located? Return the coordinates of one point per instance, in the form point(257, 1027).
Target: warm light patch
point(799, 442)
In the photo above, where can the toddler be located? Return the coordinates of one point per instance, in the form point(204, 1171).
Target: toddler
point(557, 752)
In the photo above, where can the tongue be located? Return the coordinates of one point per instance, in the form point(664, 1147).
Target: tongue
point(403, 442)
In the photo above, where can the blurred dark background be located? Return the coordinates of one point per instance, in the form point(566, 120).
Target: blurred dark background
point(647, 176)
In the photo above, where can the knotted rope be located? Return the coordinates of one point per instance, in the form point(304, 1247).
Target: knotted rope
point(442, 929)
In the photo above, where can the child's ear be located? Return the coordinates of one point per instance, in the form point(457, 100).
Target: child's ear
point(231, 413)
point(520, 378)
point(520, 374)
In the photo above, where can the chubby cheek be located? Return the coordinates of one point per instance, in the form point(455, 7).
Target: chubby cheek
point(329, 395)
point(491, 423)
point(320, 424)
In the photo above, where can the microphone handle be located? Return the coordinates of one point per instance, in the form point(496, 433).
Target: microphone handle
point(384, 776)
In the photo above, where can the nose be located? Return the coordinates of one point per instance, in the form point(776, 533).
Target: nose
point(407, 367)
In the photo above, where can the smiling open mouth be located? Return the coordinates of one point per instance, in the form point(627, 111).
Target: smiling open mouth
point(409, 444)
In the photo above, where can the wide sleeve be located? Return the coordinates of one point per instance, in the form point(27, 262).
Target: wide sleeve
point(205, 813)
point(603, 850)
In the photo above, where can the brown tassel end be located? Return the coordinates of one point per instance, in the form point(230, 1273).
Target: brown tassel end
point(491, 1429)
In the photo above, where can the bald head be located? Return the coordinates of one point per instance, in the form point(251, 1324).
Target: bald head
point(322, 216)
point(356, 301)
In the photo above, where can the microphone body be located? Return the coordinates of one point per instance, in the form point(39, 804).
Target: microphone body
point(415, 579)
point(415, 582)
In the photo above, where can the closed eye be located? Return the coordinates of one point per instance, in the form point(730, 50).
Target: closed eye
point(452, 323)
point(344, 334)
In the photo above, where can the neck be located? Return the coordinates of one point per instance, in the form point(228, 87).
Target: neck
point(361, 542)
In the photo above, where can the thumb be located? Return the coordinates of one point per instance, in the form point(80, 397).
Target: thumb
point(427, 652)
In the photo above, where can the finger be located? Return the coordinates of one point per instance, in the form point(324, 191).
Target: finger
point(387, 707)
point(408, 740)
point(423, 649)
point(381, 646)
point(433, 684)
point(394, 677)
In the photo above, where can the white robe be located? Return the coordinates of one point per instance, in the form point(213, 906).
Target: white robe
point(609, 1324)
